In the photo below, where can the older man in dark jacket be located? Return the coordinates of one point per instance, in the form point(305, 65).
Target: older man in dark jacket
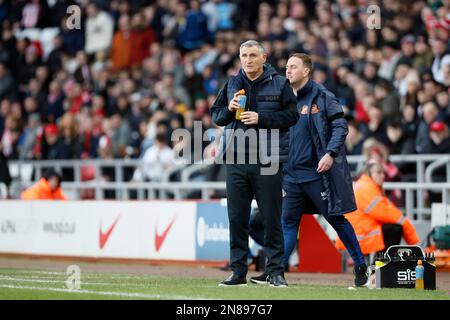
point(270, 108)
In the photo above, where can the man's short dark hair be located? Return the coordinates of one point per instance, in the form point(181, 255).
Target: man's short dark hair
point(161, 138)
point(352, 123)
point(395, 123)
point(306, 59)
point(49, 173)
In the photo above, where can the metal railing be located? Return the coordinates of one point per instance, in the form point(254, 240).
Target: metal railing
point(24, 169)
point(419, 212)
point(26, 172)
point(421, 162)
point(154, 190)
point(444, 160)
point(3, 191)
point(415, 205)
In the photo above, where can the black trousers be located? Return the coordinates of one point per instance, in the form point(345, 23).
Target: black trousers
point(244, 182)
point(256, 226)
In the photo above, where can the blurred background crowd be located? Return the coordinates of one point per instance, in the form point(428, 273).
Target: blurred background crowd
point(136, 70)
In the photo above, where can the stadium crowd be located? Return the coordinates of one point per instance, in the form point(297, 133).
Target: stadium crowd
point(118, 86)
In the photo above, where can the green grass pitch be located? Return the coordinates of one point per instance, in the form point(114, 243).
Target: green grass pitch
point(40, 284)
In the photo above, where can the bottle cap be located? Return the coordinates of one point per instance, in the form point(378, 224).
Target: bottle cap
point(242, 91)
point(379, 263)
point(419, 262)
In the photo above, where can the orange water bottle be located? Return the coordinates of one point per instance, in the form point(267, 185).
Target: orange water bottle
point(420, 270)
point(242, 98)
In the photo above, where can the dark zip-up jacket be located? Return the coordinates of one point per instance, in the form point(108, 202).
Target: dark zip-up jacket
point(270, 96)
point(328, 131)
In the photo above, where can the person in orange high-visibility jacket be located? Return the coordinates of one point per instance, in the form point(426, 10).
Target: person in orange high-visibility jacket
point(47, 188)
point(378, 223)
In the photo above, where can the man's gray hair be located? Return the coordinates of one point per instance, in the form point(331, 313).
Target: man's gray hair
point(252, 43)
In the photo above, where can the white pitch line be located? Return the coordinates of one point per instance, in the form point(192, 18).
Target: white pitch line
point(106, 293)
point(90, 274)
point(41, 272)
point(7, 278)
point(84, 281)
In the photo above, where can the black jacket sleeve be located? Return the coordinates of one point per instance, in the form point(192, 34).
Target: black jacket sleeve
point(220, 114)
point(285, 118)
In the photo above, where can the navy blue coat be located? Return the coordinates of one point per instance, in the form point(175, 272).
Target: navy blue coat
point(270, 96)
point(328, 130)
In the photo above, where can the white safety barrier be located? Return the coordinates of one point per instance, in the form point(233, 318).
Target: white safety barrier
point(100, 229)
point(440, 214)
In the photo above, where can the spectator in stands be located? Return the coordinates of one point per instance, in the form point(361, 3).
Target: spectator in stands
point(439, 141)
point(404, 77)
point(142, 38)
point(30, 105)
point(73, 92)
point(54, 59)
point(121, 45)
point(47, 188)
point(99, 30)
point(361, 108)
point(376, 127)
point(407, 50)
point(354, 140)
point(10, 137)
point(370, 74)
point(5, 109)
point(29, 137)
point(155, 161)
point(391, 56)
point(443, 101)
point(169, 89)
point(53, 107)
point(120, 134)
point(51, 144)
point(220, 14)
point(376, 151)
point(424, 54)
point(105, 152)
point(441, 58)
point(6, 82)
point(82, 73)
point(409, 121)
point(378, 223)
point(71, 143)
point(194, 31)
point(344, 92)
point(388, 99)
point(5, 176)
point(33, 13)
point(31, 63)
point(399, 143)
point(430, 113)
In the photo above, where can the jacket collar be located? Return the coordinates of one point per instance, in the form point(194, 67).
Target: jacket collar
point(268, 73)
point(303, 91)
